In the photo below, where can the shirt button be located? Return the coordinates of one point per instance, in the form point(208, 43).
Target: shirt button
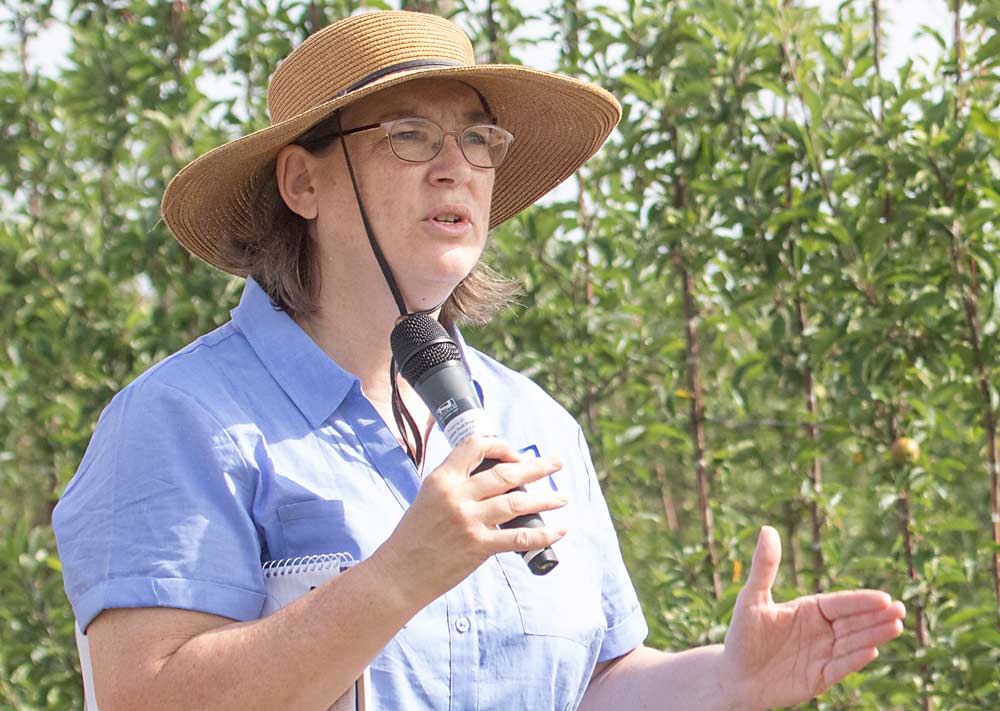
point(462, 624)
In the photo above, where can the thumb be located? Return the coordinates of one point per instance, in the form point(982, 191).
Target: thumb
point(764, 568)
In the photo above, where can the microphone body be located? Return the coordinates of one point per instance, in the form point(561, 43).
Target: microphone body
point(430, 362)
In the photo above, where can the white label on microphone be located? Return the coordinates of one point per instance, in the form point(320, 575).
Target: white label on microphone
point(470, 422)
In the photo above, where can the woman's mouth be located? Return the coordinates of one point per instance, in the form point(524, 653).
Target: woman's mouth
point(451, 220)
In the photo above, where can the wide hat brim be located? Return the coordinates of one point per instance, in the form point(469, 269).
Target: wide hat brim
point(558, 123)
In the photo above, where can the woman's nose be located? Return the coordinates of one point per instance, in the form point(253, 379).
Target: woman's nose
point(450, 162)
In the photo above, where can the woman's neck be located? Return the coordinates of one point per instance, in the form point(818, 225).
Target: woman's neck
point(353, 328)
point(356, 336)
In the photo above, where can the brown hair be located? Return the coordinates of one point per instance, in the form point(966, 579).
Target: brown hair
point(279, 254)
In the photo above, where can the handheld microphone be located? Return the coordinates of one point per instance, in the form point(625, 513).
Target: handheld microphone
point(430, 361)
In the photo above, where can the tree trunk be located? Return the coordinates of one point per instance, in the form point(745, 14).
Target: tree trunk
point(906, 528)
point(877, 36)
point(792, 542)
point(959, 57)
point(694, 382)
point(811, 429)
point(491, 34)
point(989, 415)
point(315, 18)
point(24, 36)
point(698, 420)
point(433, 7)
point(669, 507)
point(969, 293)
point(571, 30)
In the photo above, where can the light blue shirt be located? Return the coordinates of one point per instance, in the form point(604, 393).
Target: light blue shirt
point(251, 444)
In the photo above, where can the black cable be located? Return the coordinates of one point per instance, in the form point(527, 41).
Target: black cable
point(390, 280)
point(399, 409)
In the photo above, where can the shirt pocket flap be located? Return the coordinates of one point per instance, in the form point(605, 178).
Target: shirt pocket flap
point(315, 508)
point(316, 527)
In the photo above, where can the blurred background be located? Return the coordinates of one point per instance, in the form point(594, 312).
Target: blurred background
point(771, 298)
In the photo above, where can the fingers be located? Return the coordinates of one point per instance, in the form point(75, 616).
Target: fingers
point(471, 451)
point(496, 495)
point(857, 637)
point(507, 476)
point(870, 637)
point(766, 559)
point(845, 626)
point(853, 602)
point(524, 539)
point(837, 669)
point(505, 507)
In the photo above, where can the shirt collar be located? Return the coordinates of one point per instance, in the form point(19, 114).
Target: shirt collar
point(310, 378)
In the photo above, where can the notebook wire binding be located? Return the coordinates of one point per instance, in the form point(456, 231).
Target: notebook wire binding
point(307, 564)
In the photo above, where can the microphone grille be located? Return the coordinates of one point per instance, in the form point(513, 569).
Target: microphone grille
point(419, 343)
point(423, 360)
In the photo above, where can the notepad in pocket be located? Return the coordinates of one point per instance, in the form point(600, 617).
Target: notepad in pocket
point(289, 579)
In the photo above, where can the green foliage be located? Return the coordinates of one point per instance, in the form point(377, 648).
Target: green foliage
point(836, 218)
point(38, 667)
point(814, 198)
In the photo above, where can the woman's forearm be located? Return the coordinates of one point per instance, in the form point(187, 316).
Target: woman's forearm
point(647, 678)
point(305, 656)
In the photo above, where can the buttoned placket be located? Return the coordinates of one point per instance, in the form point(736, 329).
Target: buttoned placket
point(463, 636)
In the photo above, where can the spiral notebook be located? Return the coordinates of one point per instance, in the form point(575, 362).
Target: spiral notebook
point(289, 579)
point(284, 581)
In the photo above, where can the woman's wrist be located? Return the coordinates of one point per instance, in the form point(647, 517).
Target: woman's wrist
point(396, 578)
point(737, 690)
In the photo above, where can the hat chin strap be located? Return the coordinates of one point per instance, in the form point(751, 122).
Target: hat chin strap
point(399, 410)
point(383, 263)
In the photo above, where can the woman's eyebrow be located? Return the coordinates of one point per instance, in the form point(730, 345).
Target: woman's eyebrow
point(410, 112)
point(405, 112)
point(479, 117)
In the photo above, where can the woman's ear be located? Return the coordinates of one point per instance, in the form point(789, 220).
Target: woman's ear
point(293, 171)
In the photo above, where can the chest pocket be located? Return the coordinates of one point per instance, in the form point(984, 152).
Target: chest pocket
point(564, 603)
point(316, 527)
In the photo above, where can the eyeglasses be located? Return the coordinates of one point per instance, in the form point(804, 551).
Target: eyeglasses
point(418, 140)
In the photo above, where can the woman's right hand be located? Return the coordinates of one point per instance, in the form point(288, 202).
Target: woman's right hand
point(451, 527)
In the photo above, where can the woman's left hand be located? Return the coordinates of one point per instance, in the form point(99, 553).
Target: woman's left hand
point(782, 654)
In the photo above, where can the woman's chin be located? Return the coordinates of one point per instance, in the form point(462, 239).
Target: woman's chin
point(431, 294)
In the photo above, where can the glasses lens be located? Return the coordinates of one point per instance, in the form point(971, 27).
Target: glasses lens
point(418, 140)
point(485, 146)
point(415, 140)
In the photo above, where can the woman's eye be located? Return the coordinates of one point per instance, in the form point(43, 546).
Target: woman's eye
point(477, 138)
point(410, 136)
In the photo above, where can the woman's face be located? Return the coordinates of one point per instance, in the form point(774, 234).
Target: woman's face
point(412, 207)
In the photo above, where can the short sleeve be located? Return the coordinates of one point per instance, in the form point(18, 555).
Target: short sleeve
point(159, 513)
point(626, 625)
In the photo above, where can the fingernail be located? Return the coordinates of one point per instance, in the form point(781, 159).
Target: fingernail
point(563, 499)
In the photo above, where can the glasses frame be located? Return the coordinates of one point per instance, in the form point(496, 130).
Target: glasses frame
point(387, 126)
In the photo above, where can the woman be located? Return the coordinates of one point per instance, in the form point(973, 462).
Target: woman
point(285, 432)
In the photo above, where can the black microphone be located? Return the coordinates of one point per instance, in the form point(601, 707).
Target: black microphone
point(430, 361)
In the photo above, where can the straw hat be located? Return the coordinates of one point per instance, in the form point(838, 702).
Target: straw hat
point(557, 122)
